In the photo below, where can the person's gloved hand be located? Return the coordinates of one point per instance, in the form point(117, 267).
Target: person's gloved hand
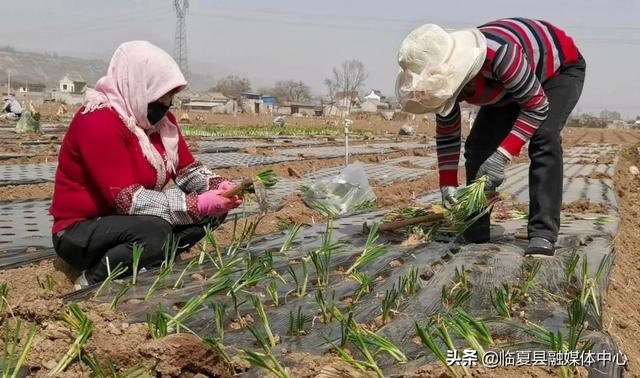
point(226, 185)
point(211, 203)
point(448, 196)
point(493, 168)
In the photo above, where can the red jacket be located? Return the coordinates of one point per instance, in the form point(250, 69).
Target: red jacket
point(99, 158)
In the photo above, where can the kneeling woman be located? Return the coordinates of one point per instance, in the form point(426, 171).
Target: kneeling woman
point(119, 153)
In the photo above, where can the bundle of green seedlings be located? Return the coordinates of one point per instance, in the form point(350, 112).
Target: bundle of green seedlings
point(266, 359)
point(469, 328)
point(95, 365)
point(508, 298)
point(14, 355)
point(362, 339)
point(471, 204)
point(80, 323)
point(321, 257)
point(459, 292)
point(393, 298)
point(573, 341)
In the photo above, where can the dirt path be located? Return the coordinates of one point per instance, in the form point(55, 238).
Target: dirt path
point(622, 311)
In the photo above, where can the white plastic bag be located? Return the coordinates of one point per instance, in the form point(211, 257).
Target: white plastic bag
point(341, 194)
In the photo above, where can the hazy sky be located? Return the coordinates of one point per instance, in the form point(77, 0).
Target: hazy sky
point(288, 39)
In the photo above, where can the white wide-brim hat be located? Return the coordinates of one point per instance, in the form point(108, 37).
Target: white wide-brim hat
point(435, 66)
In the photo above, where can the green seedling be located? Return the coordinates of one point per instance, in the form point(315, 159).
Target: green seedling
point(113, 275)
point(265, 360)
point(371, 252)
point(301, 286)
point(218, 348)
point(157, 323)
point(381, 344)
point(4, 293)
point(589, 288)
point(530, 278)
point(170, 251)
point(116, 298)
point(80, 323)
point(572, 263)
point(390, 303)
point(218, 317)
point(137, 254)
point(409, 282)
point(293, 232)
point(461, 279)
point(325, 310)
point(93, 363)
point(473, 330)
point(360, 343)
point(297, 322)
point(162, 275)
point(194, 304)
point(426, 335)
point(321, 260)
point(503, 299)
point(272, 290)
point(13, 357)
point(180, 281)
point(257, 304)
point(365, 284)
point(457, 295)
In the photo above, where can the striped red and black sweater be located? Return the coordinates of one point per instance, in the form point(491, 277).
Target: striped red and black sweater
point(522, 54)
point(102, 171)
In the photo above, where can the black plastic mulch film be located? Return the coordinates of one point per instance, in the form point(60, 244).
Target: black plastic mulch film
point(487, 266)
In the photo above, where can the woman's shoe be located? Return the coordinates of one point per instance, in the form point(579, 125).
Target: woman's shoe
point(539, 247)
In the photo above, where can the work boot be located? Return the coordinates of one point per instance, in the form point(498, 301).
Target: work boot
point(539, 247)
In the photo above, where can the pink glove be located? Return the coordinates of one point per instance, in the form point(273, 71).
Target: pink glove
point(226, 185)
point(211, 203)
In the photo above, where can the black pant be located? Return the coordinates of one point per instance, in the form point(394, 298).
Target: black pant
point(86, 245)
point(545, 152)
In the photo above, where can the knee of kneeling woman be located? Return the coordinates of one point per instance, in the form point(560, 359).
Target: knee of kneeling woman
point(152, 233)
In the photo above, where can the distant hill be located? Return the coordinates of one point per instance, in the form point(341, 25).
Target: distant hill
point(49, 68)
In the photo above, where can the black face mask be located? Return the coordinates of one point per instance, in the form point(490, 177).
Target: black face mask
point(155, 112)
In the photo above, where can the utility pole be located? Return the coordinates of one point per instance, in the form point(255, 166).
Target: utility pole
point(180, 44)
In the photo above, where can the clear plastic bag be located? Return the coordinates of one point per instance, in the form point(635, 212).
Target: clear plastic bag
point(341, 194)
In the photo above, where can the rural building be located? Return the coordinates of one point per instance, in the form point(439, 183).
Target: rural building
point(269, 103)
point(374, 106)
point(72, 83)
point(305, 109)
point(251, 103)
point(212, 102)
point(374, 95)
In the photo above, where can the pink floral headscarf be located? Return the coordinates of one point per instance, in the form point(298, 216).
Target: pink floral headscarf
point(140, 73)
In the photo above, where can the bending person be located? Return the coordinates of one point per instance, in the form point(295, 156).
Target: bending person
point(526, 76)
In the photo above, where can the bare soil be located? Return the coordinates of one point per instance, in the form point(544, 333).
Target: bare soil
point(26, 192)
point(622, 306)
point(585, 206)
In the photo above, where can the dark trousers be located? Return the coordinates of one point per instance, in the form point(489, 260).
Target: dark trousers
point(545, 152)
point(86, 245)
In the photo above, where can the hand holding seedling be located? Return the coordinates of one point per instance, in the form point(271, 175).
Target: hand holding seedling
point(493, 168)
point(213, 203)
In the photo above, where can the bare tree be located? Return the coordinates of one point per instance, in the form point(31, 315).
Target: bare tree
point(232, 86)
point(347, 80)
point(292, 91)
